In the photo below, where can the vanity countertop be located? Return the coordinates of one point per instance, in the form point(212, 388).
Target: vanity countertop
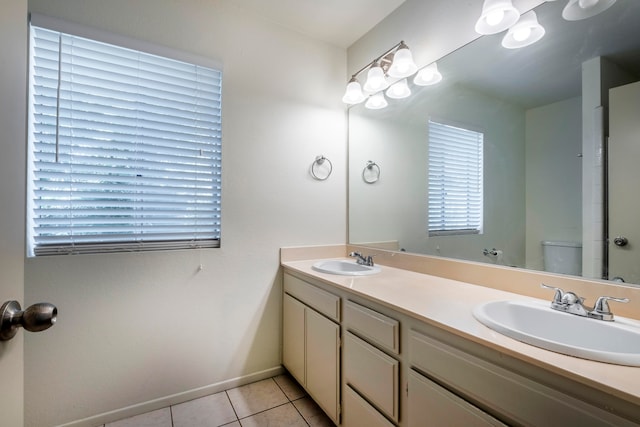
point(448, 304)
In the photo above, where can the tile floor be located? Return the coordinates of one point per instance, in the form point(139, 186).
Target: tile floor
point(277, 401)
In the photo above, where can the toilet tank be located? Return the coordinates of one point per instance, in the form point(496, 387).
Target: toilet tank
point(562, 257)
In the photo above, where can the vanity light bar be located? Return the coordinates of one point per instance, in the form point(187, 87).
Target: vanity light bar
point(389, 72)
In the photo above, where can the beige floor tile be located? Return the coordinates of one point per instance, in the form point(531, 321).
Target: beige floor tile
point(209, 411)
point(233, 424)
point(256, 397)
point(312, 413)
point(289, 386)
point(159, 418)
point(281, 416)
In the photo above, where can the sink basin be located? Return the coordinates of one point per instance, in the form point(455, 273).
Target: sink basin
point(535, 323)
point(345, 268)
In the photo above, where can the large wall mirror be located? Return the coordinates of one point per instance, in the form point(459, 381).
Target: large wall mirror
point(544, 114)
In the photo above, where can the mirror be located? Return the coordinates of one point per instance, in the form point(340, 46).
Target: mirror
point(539, 144)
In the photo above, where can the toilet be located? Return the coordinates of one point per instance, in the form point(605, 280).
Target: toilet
point(562, 257)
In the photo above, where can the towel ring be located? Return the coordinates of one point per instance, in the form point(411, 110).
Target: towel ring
point(371, 172)
point(319, 161)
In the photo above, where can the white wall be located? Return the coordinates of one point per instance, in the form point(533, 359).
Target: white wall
point(13, 32)
point(138, 327)
point(553, 171)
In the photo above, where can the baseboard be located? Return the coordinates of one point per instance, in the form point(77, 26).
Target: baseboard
point(163, 402)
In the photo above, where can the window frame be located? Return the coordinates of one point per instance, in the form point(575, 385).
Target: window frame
point(134, 244)
point(477, 230)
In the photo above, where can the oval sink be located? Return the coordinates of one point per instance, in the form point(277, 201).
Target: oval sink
point(537, 324)
point(345, 268)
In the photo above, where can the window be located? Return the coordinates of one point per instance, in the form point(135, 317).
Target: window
point(455, 180)
point(124, 149)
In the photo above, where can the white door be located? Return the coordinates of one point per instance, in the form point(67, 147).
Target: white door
point(13, 45)
point(624, 177)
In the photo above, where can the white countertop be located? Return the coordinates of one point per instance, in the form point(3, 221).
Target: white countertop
point(448, 304)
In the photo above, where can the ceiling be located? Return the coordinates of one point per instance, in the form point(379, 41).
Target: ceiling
point(338, 22)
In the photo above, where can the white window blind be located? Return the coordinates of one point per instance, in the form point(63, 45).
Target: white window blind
point(125, 149)
point(455, 180)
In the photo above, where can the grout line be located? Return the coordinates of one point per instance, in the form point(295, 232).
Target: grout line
point(171, 415)
point(231, 403)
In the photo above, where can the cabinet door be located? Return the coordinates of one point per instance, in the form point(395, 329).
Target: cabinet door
point(373, 374)
point(293, 337)
point(323, 358)
point(433, 406)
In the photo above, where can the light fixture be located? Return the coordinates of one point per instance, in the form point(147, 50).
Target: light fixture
point(353, 94)
point(524, 33)
point(583, 9)
point(376, 101)
point(399, 90)
point(497, 16)
point(376, 80)
point(402, 65)
point(429, 75)
point(393, 65)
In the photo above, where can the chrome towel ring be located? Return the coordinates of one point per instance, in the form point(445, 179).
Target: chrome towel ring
point(317, 171)
point(371, 172)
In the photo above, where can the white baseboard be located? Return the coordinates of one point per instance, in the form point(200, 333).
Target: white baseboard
point(163, 402)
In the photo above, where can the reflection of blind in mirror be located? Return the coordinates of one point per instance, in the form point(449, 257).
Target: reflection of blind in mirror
point(455, 180)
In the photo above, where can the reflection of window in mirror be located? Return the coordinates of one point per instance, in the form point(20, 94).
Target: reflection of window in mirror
point(455, 179)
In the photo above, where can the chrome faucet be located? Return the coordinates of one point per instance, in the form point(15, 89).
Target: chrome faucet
point(569, 302)
point(362, 260)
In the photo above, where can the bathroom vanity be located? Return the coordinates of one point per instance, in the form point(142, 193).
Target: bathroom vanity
point(401, 348)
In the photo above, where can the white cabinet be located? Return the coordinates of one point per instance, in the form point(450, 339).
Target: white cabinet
point(433, 406)
point(367, 368)
point(358, 412)
point(513, 397)
point(311, 342)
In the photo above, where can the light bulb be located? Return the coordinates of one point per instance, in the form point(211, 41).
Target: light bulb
point(495, 17)
point(376, 101)
point(353, 94)
point(376, 80)
point(399, 90)
point(429, 75)
point(521, 34)
point(402, 65)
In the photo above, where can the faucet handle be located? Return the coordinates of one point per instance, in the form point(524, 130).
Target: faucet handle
point(602, 305)
point(558, 296)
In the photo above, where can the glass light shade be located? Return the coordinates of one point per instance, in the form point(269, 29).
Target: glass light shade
point(353, 94)
point(399, 90)
point(376, 80)
point(497, 16)
point(524, 33)
point(429, 75)
point(402, 65)
point(376, 101)
point(583, 9)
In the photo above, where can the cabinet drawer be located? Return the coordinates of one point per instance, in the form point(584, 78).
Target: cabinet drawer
point(372, 373)
point(518, 399)
point(430, 405)
point(371, 325)
point(320, 300)
point(358, 413)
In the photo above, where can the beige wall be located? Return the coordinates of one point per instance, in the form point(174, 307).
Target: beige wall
point(137, 327)
point(13, 30)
